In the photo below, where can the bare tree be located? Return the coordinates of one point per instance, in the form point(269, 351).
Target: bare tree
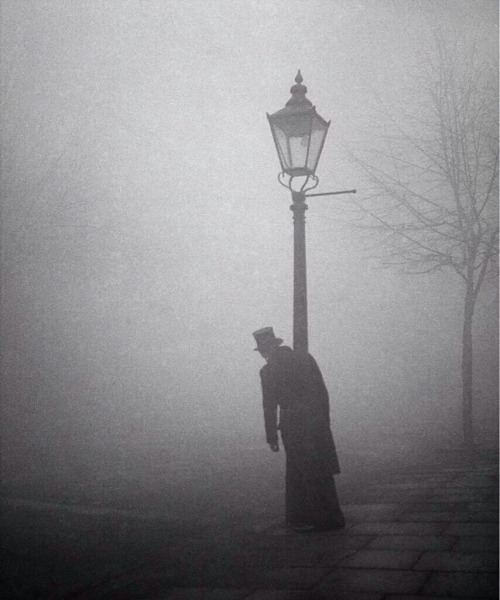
point(434, 184)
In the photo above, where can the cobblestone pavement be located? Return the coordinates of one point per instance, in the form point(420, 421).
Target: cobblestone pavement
point(431, 532)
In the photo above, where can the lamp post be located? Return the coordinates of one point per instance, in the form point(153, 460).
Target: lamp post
point(299, 134)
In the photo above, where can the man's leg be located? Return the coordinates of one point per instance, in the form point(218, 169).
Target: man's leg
point(297, 504)
point(324, 503)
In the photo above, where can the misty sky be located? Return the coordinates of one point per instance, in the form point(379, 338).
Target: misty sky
point(145, 235)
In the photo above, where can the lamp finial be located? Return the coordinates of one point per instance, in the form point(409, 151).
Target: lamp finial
point(299, 92)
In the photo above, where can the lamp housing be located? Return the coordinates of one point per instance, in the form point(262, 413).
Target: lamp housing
point(299, 133)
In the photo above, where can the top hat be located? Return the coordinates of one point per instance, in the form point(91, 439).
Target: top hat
point(266, 339)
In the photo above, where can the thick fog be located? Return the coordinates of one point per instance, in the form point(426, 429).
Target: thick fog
point(145, 235)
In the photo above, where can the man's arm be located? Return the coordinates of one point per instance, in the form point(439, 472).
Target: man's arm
point(270, 406)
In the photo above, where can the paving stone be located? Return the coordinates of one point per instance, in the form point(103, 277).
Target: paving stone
point(412, 542)
point(465, 495)
point(458, 469)
point(398, 528)
point(490, 497)
point(474, 487)
point(311, 556)
point(462, 585)
point(407, 485)
point(406, 597)
point(476, 543)
point(487, 469)
point(370, 512)
point(350, 595)
point(436, 478)
point(382, 559)
point(453, 494)
point(281, 531)
point(321, 538)
point(482, 506)
point(205, 594)
point(277, 530)
point(451, 498)
point(311, 595)
point(372, 580)
point(476, 562)
point(483, 516)
point(476, 481)
point(285, 595)
point(254, 578)
point(400, 499)
point(348, 542)
point(290, 577)
point(440, 506)
point(470, 529)
point(384, 495)
point(326, 551)
point(433, 517)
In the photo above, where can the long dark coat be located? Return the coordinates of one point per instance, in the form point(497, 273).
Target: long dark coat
point(292, 382)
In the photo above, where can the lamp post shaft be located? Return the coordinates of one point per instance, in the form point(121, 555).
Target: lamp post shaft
point(300, 335)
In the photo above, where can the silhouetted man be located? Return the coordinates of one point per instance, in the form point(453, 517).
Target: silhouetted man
point(292, 381)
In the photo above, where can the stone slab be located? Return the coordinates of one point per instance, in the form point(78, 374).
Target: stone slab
point(344, 542)
point(290, 577)
point(440, 506)
point(370, 512)
point(482, 506)
point(463, 495)
point(412, 542)
point(280, 530)
point(311, 556)
point(400, 499)
point(372, 580)
point(406, 597)
point(398, 528)
point(312, 595)
point(485, 516)
point(460, 469)
point(433, 477)
point(455, 495)
point(476, 481)
point(433, 517)
point(470, 529)
point(205, 594)
point(475, 562)
point(382, 559)
point(254, 577)
point(406, 485)
point(472, 481)
point(462, 585)
point(476, 543)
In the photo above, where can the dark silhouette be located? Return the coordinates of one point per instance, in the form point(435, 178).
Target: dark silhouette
point(292, 381)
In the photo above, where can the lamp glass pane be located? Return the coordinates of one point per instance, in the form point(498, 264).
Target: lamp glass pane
point(298, 151)
point(282, 145)
point(292, 133)
point(318, 133)
point(295, 125)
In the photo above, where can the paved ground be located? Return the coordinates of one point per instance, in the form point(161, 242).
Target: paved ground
point(431, 532)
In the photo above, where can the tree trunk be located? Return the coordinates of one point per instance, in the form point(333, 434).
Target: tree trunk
point(467, 366)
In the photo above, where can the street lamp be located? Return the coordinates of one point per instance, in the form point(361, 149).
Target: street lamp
point(299, 134)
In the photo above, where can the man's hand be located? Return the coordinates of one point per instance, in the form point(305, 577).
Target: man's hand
point(274, 447)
